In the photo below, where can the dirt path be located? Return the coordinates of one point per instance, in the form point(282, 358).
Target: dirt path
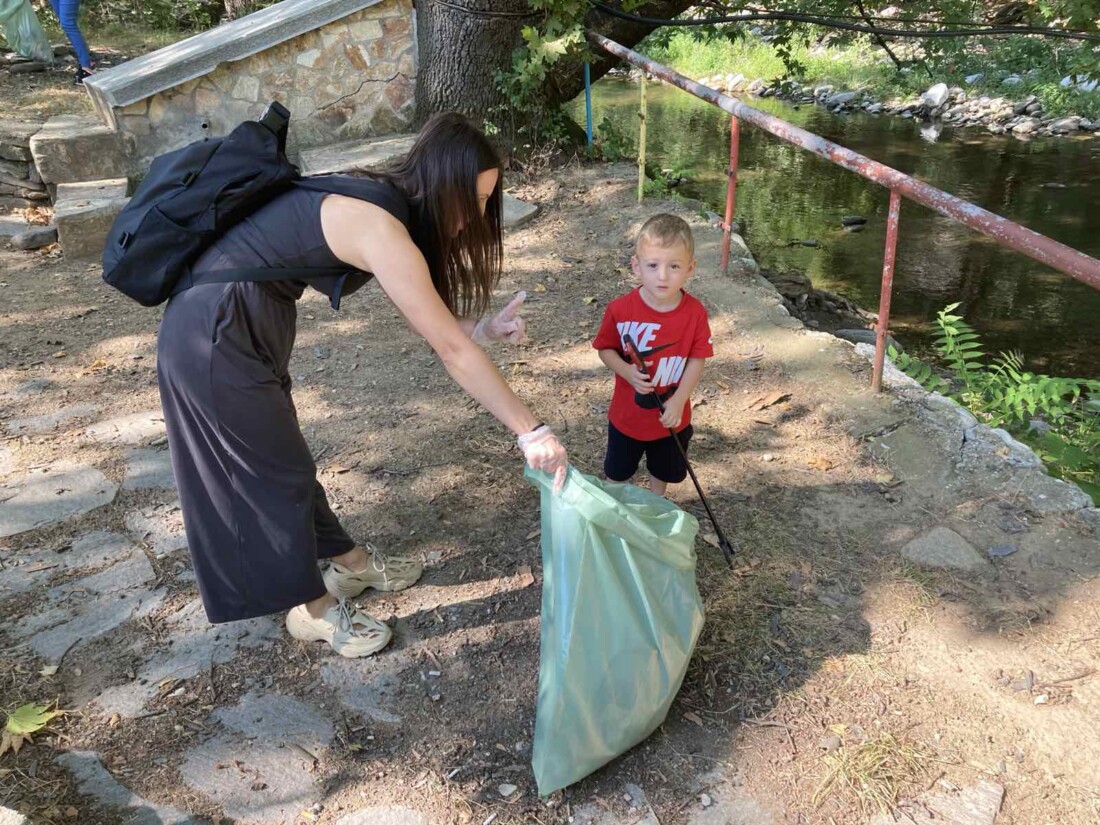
point(834, 671)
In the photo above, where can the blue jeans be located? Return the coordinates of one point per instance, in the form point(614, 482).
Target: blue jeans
point(66, 11)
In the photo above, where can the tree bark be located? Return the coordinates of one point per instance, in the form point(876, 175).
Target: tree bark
point(464, 43)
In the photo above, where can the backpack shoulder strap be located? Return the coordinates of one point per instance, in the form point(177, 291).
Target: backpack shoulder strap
point(373, 191)
point(365, 189)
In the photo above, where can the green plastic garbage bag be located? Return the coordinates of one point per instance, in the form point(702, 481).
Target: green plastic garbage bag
point(23, 32)
point(621, 614)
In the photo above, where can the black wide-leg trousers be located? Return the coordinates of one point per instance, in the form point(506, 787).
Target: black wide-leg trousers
point(257, 519)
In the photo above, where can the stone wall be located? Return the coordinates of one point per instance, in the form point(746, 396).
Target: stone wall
point(20, 184)
point(348, 79)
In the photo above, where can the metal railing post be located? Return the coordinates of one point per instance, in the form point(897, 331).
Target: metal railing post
point(588, 102)
point(641, 145)
point(731, 192)
point(882, 328)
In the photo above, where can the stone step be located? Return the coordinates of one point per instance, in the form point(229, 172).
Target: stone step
point(84, 212)
point(372, 153)
point(375, 153)
point(516, 213)
point(78, 148)
point(12, 226)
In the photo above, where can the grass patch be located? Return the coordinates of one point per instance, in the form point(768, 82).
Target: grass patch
point(921, 584)
point(765, 631)
point(873, 774)
point(867, 667)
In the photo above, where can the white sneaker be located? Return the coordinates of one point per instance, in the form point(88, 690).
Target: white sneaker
point(383, 573)
point(347, 629)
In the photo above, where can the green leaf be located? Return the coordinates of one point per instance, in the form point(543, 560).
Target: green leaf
point(30, 718)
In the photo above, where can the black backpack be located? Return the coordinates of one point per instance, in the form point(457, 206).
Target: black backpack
point(192, 195)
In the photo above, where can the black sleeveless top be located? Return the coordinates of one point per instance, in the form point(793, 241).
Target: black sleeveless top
point(286, 233)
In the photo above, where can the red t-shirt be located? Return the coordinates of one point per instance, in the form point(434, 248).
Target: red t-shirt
point(666, 340)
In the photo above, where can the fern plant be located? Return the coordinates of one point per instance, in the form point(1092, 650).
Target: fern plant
point(1053, 415)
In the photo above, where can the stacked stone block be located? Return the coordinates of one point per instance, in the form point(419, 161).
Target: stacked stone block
point(20, 184)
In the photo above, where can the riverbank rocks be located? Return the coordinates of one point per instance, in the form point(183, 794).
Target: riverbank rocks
point(1064, 125)
point(1027, 126)
point(935, 96)
point(940, 103)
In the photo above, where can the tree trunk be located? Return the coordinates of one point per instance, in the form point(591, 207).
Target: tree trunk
point(463, 43)
point(462, 49)
point(566, 80)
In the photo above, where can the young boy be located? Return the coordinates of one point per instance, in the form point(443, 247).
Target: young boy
point(670, 329)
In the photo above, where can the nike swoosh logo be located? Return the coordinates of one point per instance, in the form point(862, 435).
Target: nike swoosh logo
point(655, 350)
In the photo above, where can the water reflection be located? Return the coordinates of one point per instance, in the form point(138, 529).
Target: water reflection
point(786, 194)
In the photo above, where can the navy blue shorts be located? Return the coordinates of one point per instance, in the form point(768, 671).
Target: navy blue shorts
point(662, 458)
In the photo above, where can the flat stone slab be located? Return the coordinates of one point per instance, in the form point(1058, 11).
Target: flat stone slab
point(72, 148)
point(159, 527)
point(1046, 494)
point(35, 238)
point(50, 421)
point(278, 719)
point(32, 387)
point(84, 212)
point(978, 804)
point(384, 815)
point(196, 644)
point(134, 429)
point(367, 688)
point(913, 455)
point(355, 155)
point(252, 781)
point(12, 226)
point(96, 781)
point(53, 494)
point(516, 212)
point(21, 572)
point(104, 189)
point(942, 547)
point(85, 609)
point(15, 138)
point(148, 470)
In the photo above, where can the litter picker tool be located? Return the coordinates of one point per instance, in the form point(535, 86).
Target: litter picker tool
point(635, 357)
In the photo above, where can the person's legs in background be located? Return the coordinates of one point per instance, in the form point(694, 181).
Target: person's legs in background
point(67, 12)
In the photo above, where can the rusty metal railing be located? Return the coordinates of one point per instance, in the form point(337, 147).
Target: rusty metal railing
point(1043, 249)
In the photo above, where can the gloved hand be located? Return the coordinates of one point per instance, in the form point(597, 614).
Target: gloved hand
point(506, 325)
point(544, 452)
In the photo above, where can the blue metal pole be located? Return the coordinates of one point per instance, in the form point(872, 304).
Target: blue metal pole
point(588, 103)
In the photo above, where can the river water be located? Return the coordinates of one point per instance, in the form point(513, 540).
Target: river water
point(785, 194)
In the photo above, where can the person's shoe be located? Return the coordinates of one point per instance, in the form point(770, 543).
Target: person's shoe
point(81, 73)
point(348, 630)
point(383, 573)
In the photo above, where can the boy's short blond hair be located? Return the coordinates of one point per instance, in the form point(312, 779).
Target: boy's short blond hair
point(665, 230)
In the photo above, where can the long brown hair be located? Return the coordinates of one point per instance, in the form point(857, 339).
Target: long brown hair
point(439, 178)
